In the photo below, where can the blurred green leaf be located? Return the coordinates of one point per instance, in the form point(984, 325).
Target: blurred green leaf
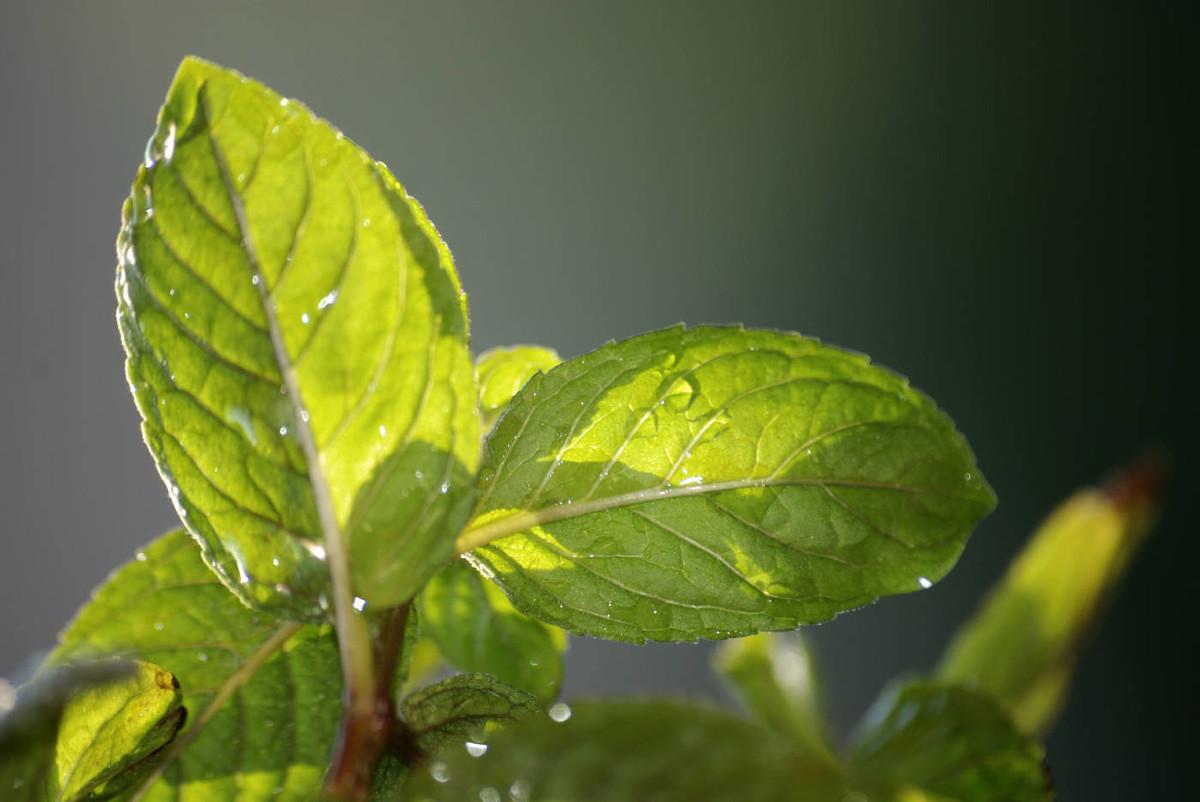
point(75, 731)
point(296, 341)
point(501, 372)
point(465, 706)
point(263, 698)
point(623, 751)
point(1023, 645)
point(475, 628)
point(923, 740)
point(775, 678)
point(715, 482)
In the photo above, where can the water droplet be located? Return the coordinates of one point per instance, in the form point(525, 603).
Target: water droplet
point(275, 561)
point(559, 712)
point(437, 770)
point(168, 145)
point(489, 795)
point(283, 102)
point(158, 626)
point(315, 549)
point(171, 292)
point(254, 279)
point(924, 583)
point(967, 476)
point(476, 750)
point(328, 300)
point(382, 430)
point(366, 222)
point(202, 657)
point(141, 556)
point(419, 475)
point(274, 129)
point(283, 431)
point(445, 487)
point(360, 603)
point(241, 178)
point(304, 415)
point(519, 791)
point(304, 318)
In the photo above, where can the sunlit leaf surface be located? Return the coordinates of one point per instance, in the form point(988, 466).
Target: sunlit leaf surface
point(296, 340)
point(86, 731)
point(263, 699)
point(715, 482)
point(501, 372)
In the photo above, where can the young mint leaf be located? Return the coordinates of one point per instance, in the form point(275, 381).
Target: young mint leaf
point(622, 751)
point(716, 482)
point(775, 678)
point(297, 346)
point(923, 739)
point(475, 628)
point(1022, 647)
point(32, 766)
point(263, 698)
point(501, 372)
point(109, 734)
point(465, 706)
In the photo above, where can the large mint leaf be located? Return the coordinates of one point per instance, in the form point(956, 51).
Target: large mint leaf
point(775, 678)
point(83, 732)
point(463, 707)
point(263, 698)
point(1023, 645)
point(946, 742)
point(476, 629)
point(715, 482)
point(501, 372)
point(622, 751)
point(296, 340)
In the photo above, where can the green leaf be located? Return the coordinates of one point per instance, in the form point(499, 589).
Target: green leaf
point(1023, 645)
point(501, 372)
point(475, 628)
point(465, 706)
point(263, 698)
point(297, 347)
point(622, 751)
point(69, 730)
point(715, 482)
point(109, 733)
point(775, 678)
point(948, 741)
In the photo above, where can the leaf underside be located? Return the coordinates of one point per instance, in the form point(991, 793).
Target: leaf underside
point(465, 706)
point(714, 482)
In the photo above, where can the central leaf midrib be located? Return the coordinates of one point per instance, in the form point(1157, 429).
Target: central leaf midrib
point(481, 534)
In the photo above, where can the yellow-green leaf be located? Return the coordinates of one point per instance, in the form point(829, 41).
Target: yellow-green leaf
point(263, 698)
point(297, 347)
point(716, 482)
point(475, 628)
point(1022, 646)
point(775, 678)
point(502, 372)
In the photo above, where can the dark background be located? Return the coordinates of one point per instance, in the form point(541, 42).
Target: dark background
point(998, 202)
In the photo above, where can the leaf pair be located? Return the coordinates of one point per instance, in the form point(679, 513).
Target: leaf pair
point(298, 349)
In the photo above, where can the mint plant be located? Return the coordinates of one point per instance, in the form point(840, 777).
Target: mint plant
point(365, 506)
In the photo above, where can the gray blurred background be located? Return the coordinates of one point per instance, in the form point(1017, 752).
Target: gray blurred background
point(989, 199)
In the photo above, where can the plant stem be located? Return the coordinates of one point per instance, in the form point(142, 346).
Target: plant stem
point(365, 733)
